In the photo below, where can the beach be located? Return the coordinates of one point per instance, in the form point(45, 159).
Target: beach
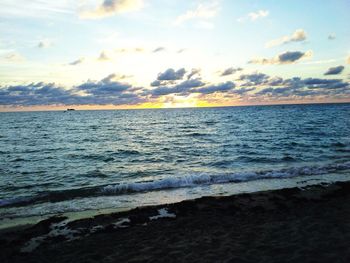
point(174, 131)
point(309, 224)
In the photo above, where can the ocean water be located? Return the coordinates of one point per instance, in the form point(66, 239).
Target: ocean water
point(61, 162)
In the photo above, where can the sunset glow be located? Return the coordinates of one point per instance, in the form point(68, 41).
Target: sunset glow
point(96, 55)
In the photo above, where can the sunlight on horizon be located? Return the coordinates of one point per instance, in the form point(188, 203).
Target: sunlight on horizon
point(96, 54)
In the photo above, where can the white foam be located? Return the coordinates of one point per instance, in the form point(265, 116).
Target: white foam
point(56, 229)
point(95, 229)
point(121, 223)
point(162, 213)
point(205, 179)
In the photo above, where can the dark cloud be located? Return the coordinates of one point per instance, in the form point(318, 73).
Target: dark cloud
point(101, 92)
point(114, 77)
point(171, 74)
point(288, 57)
point(171, 77)
point(222, 87)
point(112, 89)
point(332, 37)
point(305, 87)
point(194, 71)
point(77, 62)
point(191, 83)
point(334, 70)
point(315, 83)
point(276, 81)
point(158, 49)
point(35, 94)
point(103, 88)
point(230, 71)
point(273, 91)
point(184, 87)
point(254, 79)
point(156, 83)
point(241, 91)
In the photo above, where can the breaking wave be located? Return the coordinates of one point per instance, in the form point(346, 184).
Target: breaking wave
point(173, 182)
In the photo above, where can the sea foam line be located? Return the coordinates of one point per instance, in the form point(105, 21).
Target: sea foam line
point(205, 179)
point(171, 183)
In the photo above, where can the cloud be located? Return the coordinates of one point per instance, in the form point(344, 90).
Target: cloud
point(14, 57)
point(171, 74)
point(316, 83)
point(158, 49)
point(258, 14)
point(103, 92)
point(254, 79)
point(334, 70)
point(194, 71)
point(129, 50)
point(253, 16)
point(44, 43)
point(295, 88)
point(113, 90)
point(170, 82)
point(35, 94)
point(182, 88)
point(112, 7)
point(156, 83)
point(287, 57)
point(104, 87)
point(77, 62)
point(114, 77)
point(298, 36)
point(194, 86)
point(304, 87)
point(230, 71)
point(348, 60)
point(36, 9)
point(273, 91)
point(202, 12)
point(292, 56)
point(103, 56)
point(332, 37)
point(222, 87)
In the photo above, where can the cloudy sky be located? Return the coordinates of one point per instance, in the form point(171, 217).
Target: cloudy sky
point(96, 54)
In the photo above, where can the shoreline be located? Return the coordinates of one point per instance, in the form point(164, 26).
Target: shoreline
point(274, 224)
point(168, 196)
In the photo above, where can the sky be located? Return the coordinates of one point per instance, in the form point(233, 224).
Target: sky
point(120, 54)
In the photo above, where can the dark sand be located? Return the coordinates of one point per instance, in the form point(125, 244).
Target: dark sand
point(290, 225)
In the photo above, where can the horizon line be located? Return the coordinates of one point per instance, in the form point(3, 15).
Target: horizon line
point(170, 108)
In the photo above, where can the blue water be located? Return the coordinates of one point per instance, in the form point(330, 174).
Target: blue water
point(72, 161)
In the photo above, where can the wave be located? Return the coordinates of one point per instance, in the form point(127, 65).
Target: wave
point(204, 179)
point(172, 183)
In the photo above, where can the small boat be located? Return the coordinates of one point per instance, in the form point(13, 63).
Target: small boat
point(70, 109)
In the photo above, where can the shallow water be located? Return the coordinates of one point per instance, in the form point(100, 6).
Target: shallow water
point(53, 162)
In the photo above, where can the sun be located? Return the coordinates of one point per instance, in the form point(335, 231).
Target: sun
point(180, 102)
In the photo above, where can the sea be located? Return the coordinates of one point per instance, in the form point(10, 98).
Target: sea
point(82, 163)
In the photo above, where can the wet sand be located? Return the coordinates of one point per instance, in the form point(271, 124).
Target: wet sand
point(289, 225)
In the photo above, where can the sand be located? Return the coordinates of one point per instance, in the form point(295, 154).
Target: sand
point(289, 225)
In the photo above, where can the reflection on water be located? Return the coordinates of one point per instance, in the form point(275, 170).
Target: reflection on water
point(50, 158)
